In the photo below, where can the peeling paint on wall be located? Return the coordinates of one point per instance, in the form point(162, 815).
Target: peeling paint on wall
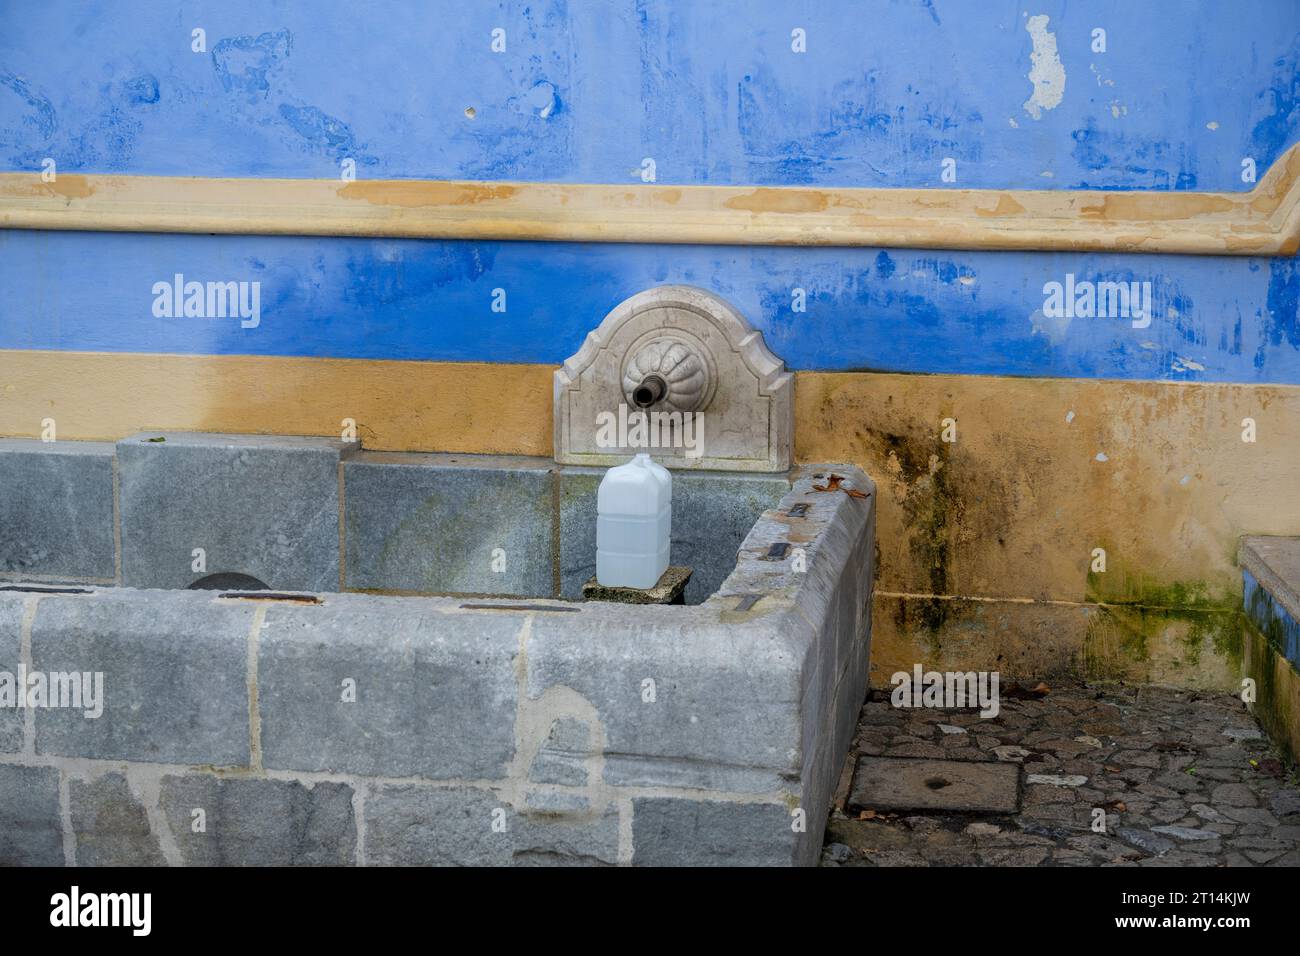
point(1046, 72)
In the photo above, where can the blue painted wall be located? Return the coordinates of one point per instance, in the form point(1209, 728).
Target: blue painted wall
point(711, 92)
point(903, 310)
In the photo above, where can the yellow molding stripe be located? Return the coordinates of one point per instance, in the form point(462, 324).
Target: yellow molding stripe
point(1264, 221)
point(397, 405)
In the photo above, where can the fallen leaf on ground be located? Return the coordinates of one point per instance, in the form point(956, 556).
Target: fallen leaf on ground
point(833, 483)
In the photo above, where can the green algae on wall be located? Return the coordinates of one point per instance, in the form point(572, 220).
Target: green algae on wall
point(1277, 691)
point(1164, 645)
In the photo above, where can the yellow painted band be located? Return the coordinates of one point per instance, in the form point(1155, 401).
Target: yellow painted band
point(1264, 221)
point(397, 406)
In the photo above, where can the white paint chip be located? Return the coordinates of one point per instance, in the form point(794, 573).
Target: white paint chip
point(1212, 125)
point(1069, 416)
point(1045, 70)
point(1101, 456)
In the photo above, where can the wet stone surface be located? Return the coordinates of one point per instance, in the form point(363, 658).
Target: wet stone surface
point(1183, 778)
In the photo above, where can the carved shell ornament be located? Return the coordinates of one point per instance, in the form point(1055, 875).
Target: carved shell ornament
point(666, 373)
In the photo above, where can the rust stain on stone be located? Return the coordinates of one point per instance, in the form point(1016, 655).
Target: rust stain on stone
point(1007, 206)
point(65, 186)
point(1157, 208)
point(417, 193)
point(779, 200)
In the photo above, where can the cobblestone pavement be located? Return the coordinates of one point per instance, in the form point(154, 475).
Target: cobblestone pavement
point(1186, 779)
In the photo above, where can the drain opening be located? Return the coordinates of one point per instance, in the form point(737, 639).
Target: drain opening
point(229, 581)
point(937, 783)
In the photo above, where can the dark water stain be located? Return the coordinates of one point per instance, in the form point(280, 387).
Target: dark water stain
point(244, 64)
point(322, 132)
point(1279, 324)
point(860, 127)
point(141, 90)
point(1124, 164)
point(416, 271)
point(41, 111)
point(1280, 103)
point(108, 140)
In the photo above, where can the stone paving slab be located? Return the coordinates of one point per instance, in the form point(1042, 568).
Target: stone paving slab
point(1112, 776)
point(899, 783)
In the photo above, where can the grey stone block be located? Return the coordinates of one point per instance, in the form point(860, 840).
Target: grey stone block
point(1274, 561)
point(263, 506)
point(432, 524)
point(428, 826)
point(712, 513)
point(250, 822)
point(56, 508)
point(111, 825)
point(11, 621)
point(31, 828)
point(435, 688)
point(725, 713)
point(667, 831)
point(174, 667)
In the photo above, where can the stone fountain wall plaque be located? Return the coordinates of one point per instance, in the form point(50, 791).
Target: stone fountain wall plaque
point(677, 366)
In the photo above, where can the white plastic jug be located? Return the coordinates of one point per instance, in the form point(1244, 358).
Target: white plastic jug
point(634, 517)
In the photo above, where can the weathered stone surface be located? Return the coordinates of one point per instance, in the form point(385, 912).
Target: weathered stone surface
point(56, 511)
point(12, 607)
point(722, 710)
point(1186, 833)
point(463, 826)
point(1285, 802)
point(438, 523)
point(1145, 840)
point(435, 692)
point(175, 682)
point(31, 828)
point(110, 824)
point(252, 822)
point(677, 832)
point(429, 826)
point(563, 756)
point(712, 513)
point(888, 783)
point(265, 506)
